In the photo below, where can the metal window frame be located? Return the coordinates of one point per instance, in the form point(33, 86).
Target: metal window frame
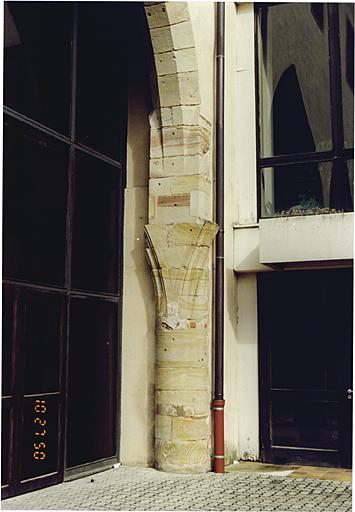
point(21, 287)
point(338, 152)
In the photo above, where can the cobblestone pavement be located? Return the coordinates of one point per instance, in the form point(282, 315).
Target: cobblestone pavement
point(147, 489)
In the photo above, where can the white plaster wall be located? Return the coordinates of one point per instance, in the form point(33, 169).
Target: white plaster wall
point(245, 131)
point(241, 343)
point(231, 195)
point(138, 315)
point(202, 15)
point(247, 391)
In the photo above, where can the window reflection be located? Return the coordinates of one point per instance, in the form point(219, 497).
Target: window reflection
point(295, 111)
point(346, 26)
point(37, 61)
point(298, 189)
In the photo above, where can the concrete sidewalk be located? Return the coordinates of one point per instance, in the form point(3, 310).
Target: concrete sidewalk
point(147, 489)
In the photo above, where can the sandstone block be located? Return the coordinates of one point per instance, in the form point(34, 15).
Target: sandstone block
point(186, 115)
point(183, 379)
point(183, 403)
point(182, 141)
point(193, 307)
point(189, 429)
point(163, 427)
point(183, 184)
point(166, 116)
point(160, 186)
point(192, 234)
point(156, 143)
point(165, 63)
point(152, 207)
point(200, 204)
point(171, 214)
point(176, 61)
point(189, 453)
point(174, 200)
point(177, 12)
point(189, 88)
point(157, 15)
point(182, 35)
point(176, 165)
point(166, 13)
point(179, 89)
point(162, 39)
point(182, 354)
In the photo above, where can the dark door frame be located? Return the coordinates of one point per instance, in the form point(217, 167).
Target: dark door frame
point(293, 455)
point(19, 288)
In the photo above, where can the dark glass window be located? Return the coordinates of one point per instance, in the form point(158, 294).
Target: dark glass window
point(101, 87)
point(39, 447)
point(306, 107)
point(42, 344)
point(7, 335)
point(95, 226)
point(65, 87)
point(5, 442)
point(92, 390)
point(35, 203)
point(37, 61)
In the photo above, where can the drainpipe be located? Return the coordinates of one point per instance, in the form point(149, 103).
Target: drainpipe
point(218, 401)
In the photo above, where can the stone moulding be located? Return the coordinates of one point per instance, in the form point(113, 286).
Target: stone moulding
point(179, 237)
point(182, 382)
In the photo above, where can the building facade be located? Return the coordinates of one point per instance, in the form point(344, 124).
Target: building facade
point(109, 229)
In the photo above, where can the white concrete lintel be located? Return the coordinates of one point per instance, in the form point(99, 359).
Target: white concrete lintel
point(306, 238)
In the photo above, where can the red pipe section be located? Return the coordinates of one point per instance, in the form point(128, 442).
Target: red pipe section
point(218, 421)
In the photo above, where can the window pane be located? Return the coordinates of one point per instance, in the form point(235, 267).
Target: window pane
point(304, 423)
point(7, 335)
point(92, 381)
point(95, 226)
point(37, 61)
point(294, 90)
point(346, 25)
point(39, 436)
point(5, 441)
point(101, 78)
point(35, 199)
point(350, 166)
point(298, 189)
point(42, 344)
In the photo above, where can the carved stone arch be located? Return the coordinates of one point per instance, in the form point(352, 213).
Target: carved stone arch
point(179, 237)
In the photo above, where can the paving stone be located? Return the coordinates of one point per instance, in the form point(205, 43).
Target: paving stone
point(147, 489)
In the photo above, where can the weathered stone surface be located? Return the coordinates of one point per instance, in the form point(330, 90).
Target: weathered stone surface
point(182, 35)
point(176, 61)
point(162, 40)
point(174, 200)
point(179, 244)
point(189, 429)
point(184, 184)
point(192, 234)
point(179, 89)
point(163, 426)
point(176, 166)
point(200, 204)
point(181, 141)
point(166, 13)
point(186, 115)
point(184, 354)
point(183, 403)
point(166, 115)
point(196, 307)
point(192, 456)
point(177, 11)
point(165, 186)
point(180, 379)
